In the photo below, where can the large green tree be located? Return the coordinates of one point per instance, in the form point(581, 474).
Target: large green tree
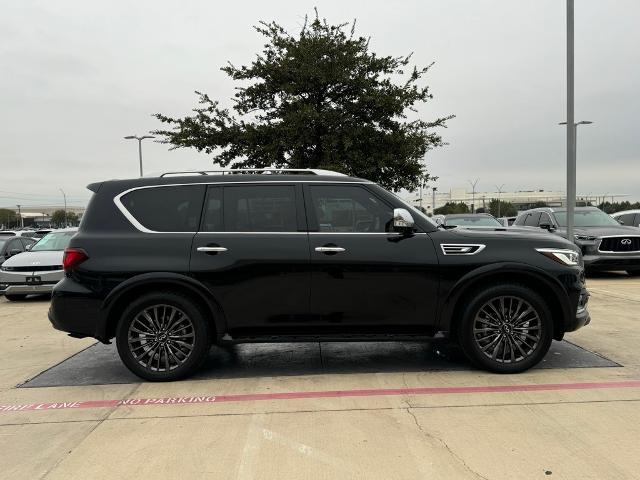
point(317, 99)
point(452, 207)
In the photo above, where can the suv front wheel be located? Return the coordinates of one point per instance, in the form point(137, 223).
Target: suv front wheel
point(162, 336)
point(506, 329)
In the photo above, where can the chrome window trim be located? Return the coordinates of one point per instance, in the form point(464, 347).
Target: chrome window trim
point(480, 247)
point(135, 223)
point(616, 236)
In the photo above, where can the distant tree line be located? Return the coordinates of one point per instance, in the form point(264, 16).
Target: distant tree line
point(609, 207)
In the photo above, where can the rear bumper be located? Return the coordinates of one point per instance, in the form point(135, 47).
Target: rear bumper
point(75, 310)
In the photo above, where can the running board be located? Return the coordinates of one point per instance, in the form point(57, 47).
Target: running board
point(351, 337)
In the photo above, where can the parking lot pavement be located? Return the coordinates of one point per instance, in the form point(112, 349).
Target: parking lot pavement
point(357, 419)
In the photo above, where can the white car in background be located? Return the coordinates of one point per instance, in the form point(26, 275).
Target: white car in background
point(38, 270)
point(631, 218)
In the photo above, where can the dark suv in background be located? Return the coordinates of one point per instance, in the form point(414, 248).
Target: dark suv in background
point(170, 265)
point(604, 242)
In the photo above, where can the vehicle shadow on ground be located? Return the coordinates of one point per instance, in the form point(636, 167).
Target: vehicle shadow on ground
point(100, 364)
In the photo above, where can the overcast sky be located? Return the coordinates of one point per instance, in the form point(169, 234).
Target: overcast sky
point(77, 76)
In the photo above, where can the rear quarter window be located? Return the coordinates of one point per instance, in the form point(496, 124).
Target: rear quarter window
point(166, 209)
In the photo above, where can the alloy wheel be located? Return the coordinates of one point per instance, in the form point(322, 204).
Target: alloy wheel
point(507, 329)
point(161, 338)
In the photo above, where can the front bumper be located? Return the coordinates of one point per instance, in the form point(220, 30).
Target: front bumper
point(611, 261)
point(28, 283)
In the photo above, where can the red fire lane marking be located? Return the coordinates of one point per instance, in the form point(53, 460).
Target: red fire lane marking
point(250, 397)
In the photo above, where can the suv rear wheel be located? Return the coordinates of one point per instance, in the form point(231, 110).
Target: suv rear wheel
point(506, 329)
point(162, 336)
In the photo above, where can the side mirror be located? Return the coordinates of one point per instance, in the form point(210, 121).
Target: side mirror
point(547, 226)
point(28, 247)
point(402, 220)
point(620, 221)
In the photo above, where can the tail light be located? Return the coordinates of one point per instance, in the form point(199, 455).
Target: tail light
point(72, 258)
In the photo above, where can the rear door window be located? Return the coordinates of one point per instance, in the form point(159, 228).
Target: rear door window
point(258, 208)
point(166, 209)
point(532, 220)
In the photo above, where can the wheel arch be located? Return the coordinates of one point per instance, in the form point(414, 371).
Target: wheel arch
point(536, 279)
point(117, 300)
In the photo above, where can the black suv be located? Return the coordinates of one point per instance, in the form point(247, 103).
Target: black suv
point(604, 242)
point(170, 265)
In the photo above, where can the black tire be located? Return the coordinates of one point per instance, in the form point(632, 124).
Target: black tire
point(495, 351)
point(633, 273)
point(15, 297)
point(178, 355)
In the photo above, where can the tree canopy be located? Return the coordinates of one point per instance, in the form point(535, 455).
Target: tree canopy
point(507, 209)
point(318, 99)
point(8, 217)
point(452, 207)
point(60, 218)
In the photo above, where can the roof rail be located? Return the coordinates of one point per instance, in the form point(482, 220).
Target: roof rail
point(263, 171)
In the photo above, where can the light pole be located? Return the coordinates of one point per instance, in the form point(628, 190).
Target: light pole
point(499, 192)
point(433, 200)
point(135, 137)
point(473, 194)
point(65, 207)
point(571, 174)
point(20, 215)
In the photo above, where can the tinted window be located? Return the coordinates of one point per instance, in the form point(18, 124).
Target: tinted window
point(166, 209)
point(349, 209)
point(212, 217)
point(259, 208)
point(626, 219)
point(520, 219)
point(27, 241)
point(532, 219)
point(545, 218)
point(15, 244)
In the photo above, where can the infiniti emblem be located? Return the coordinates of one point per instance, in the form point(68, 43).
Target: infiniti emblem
point(625, 241)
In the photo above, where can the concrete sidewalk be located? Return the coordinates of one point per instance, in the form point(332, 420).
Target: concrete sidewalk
point(559, 432)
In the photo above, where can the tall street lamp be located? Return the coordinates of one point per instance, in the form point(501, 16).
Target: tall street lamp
point(473, 194)
point(571, 176)
point(139, 139)
point(499, 192)
point(65, 208)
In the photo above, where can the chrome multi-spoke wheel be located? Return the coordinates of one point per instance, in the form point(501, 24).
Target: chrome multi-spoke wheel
point(507, 329)
point(161, 338)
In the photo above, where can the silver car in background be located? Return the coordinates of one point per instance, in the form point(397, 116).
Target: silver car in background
point(38, 270)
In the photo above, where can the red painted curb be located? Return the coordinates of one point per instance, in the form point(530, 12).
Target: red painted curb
point(249, 397)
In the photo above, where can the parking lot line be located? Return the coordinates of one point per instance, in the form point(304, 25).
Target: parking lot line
point(191, 400)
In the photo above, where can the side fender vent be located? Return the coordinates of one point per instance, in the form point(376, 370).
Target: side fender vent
point(461, 248)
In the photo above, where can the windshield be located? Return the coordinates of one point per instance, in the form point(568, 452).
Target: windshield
point(53, 242)
point(480, 221)
point(587, 218)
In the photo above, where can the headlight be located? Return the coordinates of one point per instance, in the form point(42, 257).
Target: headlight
point(561, 255)
point(584, 237)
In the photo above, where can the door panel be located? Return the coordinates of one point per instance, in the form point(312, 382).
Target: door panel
point(252, 252)
point(370, 278)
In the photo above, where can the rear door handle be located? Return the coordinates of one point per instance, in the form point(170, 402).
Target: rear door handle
point(211, 249)
point(329, 249)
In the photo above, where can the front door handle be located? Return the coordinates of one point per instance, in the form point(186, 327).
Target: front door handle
point(212, 249)
point(329, 249)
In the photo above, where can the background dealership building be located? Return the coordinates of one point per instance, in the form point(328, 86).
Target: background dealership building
point(522, 200)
